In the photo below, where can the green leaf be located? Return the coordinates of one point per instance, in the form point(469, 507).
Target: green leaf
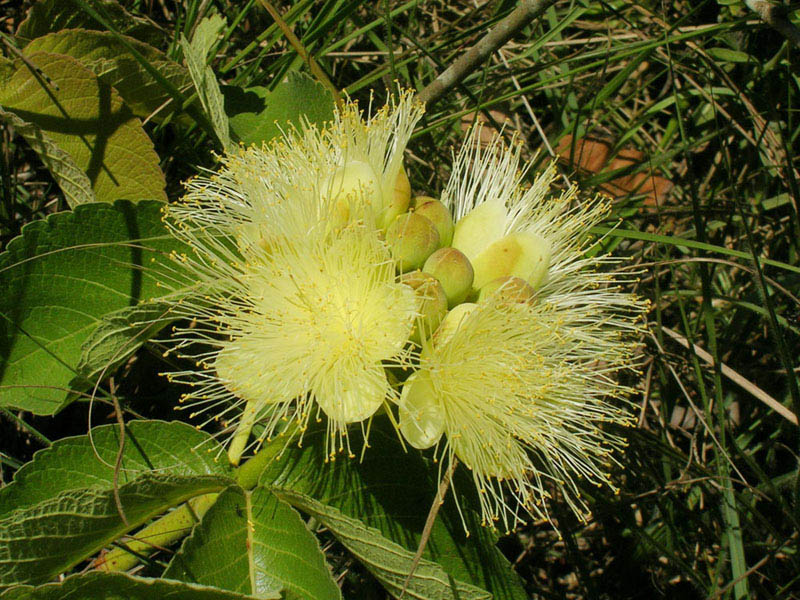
point(251, 542)
point(46, 16)
point(59, 279)
point(728, 55)
point(389, 562)
point(257, 114)
point(120, 586)
point(7, 68)
point(70, 177)
point(106, 55)
point(38, 542)
point(88, 461)
point(205, 82)
point(392, 491)
point(119, 334)
point(88, 120)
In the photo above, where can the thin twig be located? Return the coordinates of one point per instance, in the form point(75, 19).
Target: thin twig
point(120, 450)
point(426, 531)
point(316, 70)
point(497, 36)
point(775, 16)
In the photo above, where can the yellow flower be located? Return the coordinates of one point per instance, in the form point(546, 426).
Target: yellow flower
point(298, 309)
point(519, 387)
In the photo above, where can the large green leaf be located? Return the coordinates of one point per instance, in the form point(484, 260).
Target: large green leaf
point(88, 120)
point(251, 542)
point(106, 55)
point(392, 491)
point(389, 562)
point(205, 81)
point(88, 461)
point(120, 586)
point(46, 16)
point(38, 542)
point(59, 279)
point(72, 180)
point(257, 114)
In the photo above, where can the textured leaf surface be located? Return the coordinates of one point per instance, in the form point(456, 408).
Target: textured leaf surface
point(120, 586)
point(38, 542)
point(257, 114)
point(389, 562)
point(392, 491)
point(119, 334)
point(59, 278)
point(251, 542)
point(46, 16)
point(7, 69)
point(88, 120)
point(205, 82)
point(88, 461)
point(72, 180)
point(106, 56)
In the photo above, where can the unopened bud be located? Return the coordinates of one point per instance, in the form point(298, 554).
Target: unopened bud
point(452, 321)
point(353, 184)
point(439, 215)
point(432, 305)
point(454, 272)
point(421, 414)
point(412, 239)
point(512, 290)
point(398, 199)
point(481, 226)
point(524, 255)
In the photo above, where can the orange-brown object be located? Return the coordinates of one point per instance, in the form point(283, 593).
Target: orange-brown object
point(591, 155)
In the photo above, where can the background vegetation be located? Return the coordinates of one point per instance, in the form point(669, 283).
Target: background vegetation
point(684, 112)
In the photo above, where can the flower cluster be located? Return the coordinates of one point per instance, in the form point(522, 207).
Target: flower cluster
point(477, 320)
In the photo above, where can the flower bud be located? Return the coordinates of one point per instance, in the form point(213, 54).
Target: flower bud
point(398, 200)
point(432, 303)
point(524, 255)
point(353, 183)
point(481, 226)
point(454, 272)
point(511, 290)
point(452, 321)
point(421, 415)
point(412, 239)
point(439, 215)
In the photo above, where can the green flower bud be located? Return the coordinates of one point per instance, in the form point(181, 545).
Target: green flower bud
point(421, 414)
point(512, 290)
point(412, 239)
point(398, 201)
point(524, 255)
point(439, 215)
point(454, 272)
point(432, 303)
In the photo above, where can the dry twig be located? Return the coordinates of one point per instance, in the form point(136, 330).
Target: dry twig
point(486, 46)
point(774, 15)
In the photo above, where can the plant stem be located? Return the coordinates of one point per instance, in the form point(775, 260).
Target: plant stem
point(162, 532)
point(239, 441)
point(247, 475)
